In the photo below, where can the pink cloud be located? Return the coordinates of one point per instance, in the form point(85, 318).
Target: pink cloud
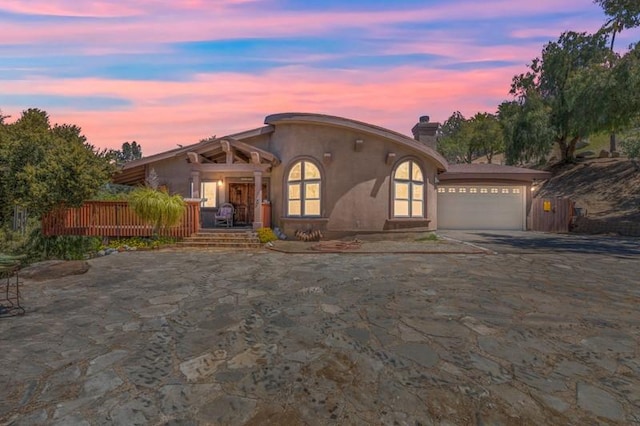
point(109, 8)
point(158, 21)
point(164, 114)
point(69, 8)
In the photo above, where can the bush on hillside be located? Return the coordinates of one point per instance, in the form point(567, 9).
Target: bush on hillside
point(630, 143)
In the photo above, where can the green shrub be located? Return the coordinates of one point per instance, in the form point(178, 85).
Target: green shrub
point(11, 241)
point(428, 237)
point(157, 208)
point(63, 247)
point(266, 235)
point(139, 242)
point(113, 192)
point(630, 142)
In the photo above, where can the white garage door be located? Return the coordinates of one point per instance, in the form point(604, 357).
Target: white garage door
point(481, 207)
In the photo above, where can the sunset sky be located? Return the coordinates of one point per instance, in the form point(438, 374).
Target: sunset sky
point(164, 73)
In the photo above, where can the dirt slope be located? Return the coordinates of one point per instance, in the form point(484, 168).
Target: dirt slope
point(607, 188)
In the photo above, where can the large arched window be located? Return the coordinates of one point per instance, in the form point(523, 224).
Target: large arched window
point(303, 189)
point(408, 190)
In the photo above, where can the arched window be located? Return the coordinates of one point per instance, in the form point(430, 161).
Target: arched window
point(303, 189)
point(408, 190)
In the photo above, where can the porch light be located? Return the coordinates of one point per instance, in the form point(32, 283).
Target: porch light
point(219, 182)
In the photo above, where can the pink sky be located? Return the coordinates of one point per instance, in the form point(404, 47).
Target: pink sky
point(386, 66)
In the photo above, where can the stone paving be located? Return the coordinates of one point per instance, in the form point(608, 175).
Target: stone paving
point(210, 337)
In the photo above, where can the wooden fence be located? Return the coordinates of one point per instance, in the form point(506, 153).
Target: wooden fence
point(114, 219)
point(551, 214)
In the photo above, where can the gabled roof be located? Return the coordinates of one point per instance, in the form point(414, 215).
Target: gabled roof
point(492, 172)
point(134, 172)
point(329, 120)
point(229, 146)
point(197, 147)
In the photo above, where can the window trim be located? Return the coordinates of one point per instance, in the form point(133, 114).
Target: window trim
point(413, 162)
point(202, 193)
point(302, 188)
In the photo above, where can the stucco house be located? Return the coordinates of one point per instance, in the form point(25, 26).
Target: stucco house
point(313, 171)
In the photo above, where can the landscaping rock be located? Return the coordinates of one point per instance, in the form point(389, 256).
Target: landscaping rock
point(585, 154)
point(599, 402)
point(51, 269)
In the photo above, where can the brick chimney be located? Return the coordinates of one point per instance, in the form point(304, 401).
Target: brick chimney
point(425, 132)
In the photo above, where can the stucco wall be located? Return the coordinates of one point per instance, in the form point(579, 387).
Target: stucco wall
point(356, 184)
point(174, 173)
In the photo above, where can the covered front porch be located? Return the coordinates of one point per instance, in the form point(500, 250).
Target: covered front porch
point(230, 172)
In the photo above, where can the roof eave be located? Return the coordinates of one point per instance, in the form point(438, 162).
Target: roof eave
point(196, 147)
point(520, 177)
point(329, 120)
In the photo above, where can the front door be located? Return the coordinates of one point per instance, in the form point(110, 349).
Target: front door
point(241, 196)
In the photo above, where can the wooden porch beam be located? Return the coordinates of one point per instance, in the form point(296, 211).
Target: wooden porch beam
point(196, 158)
point(236, 167)
point(228, 149)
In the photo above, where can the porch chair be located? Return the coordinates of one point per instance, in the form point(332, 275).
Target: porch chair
point(224, 215)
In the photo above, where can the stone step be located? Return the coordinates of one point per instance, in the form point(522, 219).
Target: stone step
point(218, 244)
point(215, 234)
point(222, 240)
point(223, 237)
point(240, 239)
point(225, 230)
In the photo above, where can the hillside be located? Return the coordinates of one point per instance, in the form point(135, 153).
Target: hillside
point(607, 188)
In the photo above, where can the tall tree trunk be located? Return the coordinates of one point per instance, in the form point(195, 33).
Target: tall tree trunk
point(571, 149)
point(568, 149)
point(562, 144)
point(612, 136)
point(612, 142)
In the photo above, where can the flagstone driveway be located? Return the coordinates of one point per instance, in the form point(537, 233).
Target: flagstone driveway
point(209, 337)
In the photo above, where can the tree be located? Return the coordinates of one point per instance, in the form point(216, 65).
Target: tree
point(130, 151)
point(526, 130)
point(45, 167)
point(485, 135)
point(453, 142)
point(463, 140)
point(560, 78)
point(623, 14)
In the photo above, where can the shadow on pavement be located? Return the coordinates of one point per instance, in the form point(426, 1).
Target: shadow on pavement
point(532, 241)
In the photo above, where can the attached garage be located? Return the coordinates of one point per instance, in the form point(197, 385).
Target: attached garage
point(482, 207)
point(485, 196)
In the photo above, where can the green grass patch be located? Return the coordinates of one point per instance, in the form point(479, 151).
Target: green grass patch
point(428, 237)
point(139, 242)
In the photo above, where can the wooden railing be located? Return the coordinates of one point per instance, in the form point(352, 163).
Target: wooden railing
point(114, 219)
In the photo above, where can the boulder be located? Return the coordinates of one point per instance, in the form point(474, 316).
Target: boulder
point(585, 154)
point(54, 269)
point(615, 154)
point(603, 154)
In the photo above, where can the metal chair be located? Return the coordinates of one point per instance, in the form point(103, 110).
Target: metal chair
point(224, 215)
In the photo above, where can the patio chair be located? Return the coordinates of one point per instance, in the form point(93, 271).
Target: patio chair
point(224, 215)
